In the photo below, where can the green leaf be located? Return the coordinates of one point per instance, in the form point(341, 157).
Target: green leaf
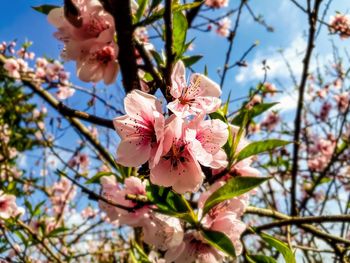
point(189, 61)
point(96, 178)
point(280, 246)
point(179, 33)
point(45, 9)
point(140, 10)
point(220, 241)
point(260, 259)
point(233, 187)
point(188, 6)
point(170, 203)
point(219, 114)
point(57, 231)
point(253, 112)
point(259, 147)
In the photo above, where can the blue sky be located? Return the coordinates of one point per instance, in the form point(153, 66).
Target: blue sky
point(19, 21)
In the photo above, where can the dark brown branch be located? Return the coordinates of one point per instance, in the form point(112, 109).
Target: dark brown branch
point(231, 38)
point(168, 23)
point(297, 123)
point(121, 12)
point(69, 112)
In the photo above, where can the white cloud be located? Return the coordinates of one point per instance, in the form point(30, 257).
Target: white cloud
point(277, 67)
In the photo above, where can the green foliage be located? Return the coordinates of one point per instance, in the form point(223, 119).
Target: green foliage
point(170, 203)
point(282, 247)
point(189, 61)
point(255, 111)
point(233, 187)
point(140, 10)
point(255, 148)
point(179, 33)
point(220, 241)
point(44, 9)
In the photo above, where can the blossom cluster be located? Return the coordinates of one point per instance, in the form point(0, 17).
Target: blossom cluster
point(88, 40)
point(174, 149)
point(340, 24)
point(47, 71)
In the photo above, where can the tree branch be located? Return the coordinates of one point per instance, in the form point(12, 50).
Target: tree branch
point(297, 123)
point(121, 12)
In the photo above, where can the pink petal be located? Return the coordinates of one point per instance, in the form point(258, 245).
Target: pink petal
point(132, 153)
point(206, 86)
point(178, 79)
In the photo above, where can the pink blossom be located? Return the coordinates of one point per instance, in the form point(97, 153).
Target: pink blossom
point(178, 166)
point(62, 192)
point(193, 249)
point(223, 27)
point(96, 24)
point(162, 231)
point(12, 67)
point(224, 217)
point(41, 62)
point(201, 95)
point(113, 192)
point(98, 61)
point(343, 100)
point(211, 135)
point(340, 24)
point(270, 88)
point(325, 109)
point(91, 45)
point(64, 92)
point(8, 206)
point(254, 127)
point(141, 130)
point(320, 153)
point(271, 121)
point(88, 212)
point(256, 99)
point(217, 3)
point(81, 159)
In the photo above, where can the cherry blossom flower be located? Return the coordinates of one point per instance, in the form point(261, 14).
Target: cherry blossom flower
point(200, 95)
point(12, 67)
point(223, 27)
point(320, 153)
point(256, 99)
point(340, 24)
point(113, 192)
point(224, 217)
point(141, 130)
point(98, 61)
point(211, 135)
point(62, 192)
point(343, 100)
point(64, 92)
point(325, 110)
point(193, 249)
point(95, 24)
point(162, 231)
point(271, 121)
point(270, 89)
point(8, 206)
point(90, 44)
point(216, 3)
point(178, 166)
